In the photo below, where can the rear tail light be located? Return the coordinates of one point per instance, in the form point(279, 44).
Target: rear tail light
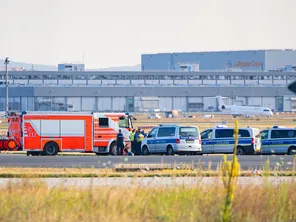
point(177, 140)
point(253, 140)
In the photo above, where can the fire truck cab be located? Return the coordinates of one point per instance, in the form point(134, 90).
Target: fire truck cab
point(43, 133)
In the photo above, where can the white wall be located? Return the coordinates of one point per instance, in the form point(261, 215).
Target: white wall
point(104, 104)
point(137, 81)
point(195, 82)
point(207, 82)
point(287, 104)
point(252, 82)
point(237, 82)
point(65, 81)
point(50, 81)
point(152, 82)
point(209, 102)
point(94, 82)
point(119, 103)
point(254, 101)
point(88, 104)
point(76, 102)
point(166, 82)
point(123, 82)
point(226, 82)
point(240, 101)
point(267, 82)
point(110, 82)
point(180, 82)
point(279, 59)
point(194, 99)
point(21, 81)
point(165, 103)
point(79, 81)
point(179, 103)
point(268, 102)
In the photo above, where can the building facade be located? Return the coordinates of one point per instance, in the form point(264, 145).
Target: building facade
point(70, 67)
point(143, 91)
point(253, 60)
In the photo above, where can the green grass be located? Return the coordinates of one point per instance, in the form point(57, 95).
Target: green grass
point(103, 173)
point(34, 201)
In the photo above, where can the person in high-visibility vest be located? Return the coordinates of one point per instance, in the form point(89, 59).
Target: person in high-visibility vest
point(141, 137)
point(132, 139)
point(138, 140)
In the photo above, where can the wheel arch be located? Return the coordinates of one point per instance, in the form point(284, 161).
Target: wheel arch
point(292, 147)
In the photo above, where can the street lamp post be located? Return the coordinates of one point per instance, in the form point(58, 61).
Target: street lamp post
point(6, 62)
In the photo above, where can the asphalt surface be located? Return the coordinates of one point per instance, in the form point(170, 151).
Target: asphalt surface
point(246, 162)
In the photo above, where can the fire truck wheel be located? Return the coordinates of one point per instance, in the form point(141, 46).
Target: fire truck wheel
point(51, 149)
point(113, 149)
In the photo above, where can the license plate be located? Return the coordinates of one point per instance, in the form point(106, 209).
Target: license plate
point(189, 141)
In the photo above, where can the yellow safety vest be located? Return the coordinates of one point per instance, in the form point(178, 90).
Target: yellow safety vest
point(132, 137)
point(141, 137)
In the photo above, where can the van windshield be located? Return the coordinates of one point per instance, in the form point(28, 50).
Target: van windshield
point(188, 131)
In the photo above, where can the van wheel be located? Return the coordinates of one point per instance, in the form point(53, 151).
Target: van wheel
point(113, 149)
point(170, 150)
point(51, 149)
point(145, 151)
point(292, 150)
point(240, 151)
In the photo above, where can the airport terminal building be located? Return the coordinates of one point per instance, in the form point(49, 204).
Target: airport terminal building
point(142, 91)
point(225, 61)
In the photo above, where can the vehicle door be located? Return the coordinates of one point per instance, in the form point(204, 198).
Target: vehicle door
point(151, 140)
point(279, 141)
point(165, 136)
point(224, 141)
point(265, 143)
point(282, 139)
point(207, 145)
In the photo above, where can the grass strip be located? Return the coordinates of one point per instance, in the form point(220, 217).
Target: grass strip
point(97, 173)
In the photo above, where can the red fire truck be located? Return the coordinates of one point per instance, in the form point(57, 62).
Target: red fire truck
point(43, 133)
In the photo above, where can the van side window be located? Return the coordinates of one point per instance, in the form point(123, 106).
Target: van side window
point(283, 134)
point(264, 135)
point(166, 131)
point(103, 122)
point(206, 134)
point(244, 133)
point(224, 133)
point(152, 133)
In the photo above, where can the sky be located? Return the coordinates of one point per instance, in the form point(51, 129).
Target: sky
point(116, 32)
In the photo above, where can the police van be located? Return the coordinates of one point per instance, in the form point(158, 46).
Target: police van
point(171, 139)
point(278, 140)
point(221, 140)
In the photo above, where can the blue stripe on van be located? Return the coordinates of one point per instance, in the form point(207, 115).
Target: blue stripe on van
point(278, 142)
point(160, 141)
point(225, 141)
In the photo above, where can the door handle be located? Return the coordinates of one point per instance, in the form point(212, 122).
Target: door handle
point(99, 136)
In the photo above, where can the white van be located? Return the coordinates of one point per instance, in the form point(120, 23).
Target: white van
point(221, 140)
point(278, 140)
point(171, 139)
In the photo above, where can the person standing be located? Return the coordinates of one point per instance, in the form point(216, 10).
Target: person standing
point(144, 134)
point(132, 139)
point(137, 142)
point(119, 141)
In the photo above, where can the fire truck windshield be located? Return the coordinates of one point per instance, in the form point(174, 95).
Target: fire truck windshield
point(124, 123)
